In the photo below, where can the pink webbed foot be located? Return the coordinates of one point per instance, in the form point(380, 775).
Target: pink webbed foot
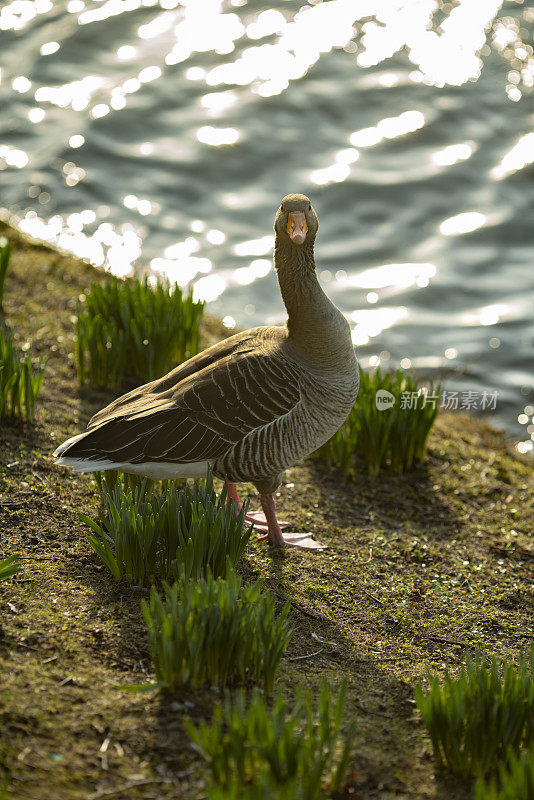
point(274, 533)
point(260, 520)
point(302, 540)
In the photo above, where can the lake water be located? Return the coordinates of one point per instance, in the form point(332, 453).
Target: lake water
point(161, 135)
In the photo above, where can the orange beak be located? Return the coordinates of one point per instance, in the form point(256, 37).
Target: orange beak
point(297, 227)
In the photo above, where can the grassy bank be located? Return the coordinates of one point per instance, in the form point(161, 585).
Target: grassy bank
point(421, 570)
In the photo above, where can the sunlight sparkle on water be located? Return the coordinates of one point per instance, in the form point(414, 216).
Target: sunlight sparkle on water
point(487, 315)
point(21, 84)
point(126, 52)
point(525, 447)
point(49, 48)
point(17, 14)
point(149, 74)
point(76, 94)
point(13, 156)
point(217, 136)
point(111, 8)
point(182, 249)
point(258, 268)
point(115, 249)
point(255, 247)
point(204, 28)
point(452, 154)
point(520, 156)
point(215, 236)
point(36, 115)
point(77, 140)
point(301, 41)
point(449, 57)
point(333, 174)
point(400, 276)
point(100, 110)
point(209, 288)
point(371, 322)
point(182, 269)
point(218, 102)
point(388, 128)
point(462, 223)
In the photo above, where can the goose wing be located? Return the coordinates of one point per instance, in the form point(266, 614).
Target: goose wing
point(198, 411)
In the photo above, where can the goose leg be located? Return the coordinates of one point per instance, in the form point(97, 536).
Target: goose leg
point(233, 495)
point(274, 533)
point(257, 517)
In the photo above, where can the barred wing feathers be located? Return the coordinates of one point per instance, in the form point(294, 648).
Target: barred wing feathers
point(190, 416)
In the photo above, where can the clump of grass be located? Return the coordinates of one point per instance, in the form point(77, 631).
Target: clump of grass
point(215, 632)
point(19, 384)
point(5, 256)
point(296, 752)
point(392, 438)
point(187, 531)
point(262, 789)
point(476, 719)
point(134, 330)
point(9, 567)
point(516, 780)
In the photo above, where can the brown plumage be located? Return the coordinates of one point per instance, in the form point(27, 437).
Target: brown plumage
point(250, 406)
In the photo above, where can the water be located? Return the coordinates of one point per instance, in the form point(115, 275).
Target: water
point(162, 135)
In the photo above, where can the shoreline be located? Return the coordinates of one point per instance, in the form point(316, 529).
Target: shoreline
point(421, 570)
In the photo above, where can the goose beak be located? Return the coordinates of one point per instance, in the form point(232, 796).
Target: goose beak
point(297, 226)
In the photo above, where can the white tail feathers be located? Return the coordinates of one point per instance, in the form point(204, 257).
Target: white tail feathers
point(62, 447)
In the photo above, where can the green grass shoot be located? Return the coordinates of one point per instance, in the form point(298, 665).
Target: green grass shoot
point(134, 330)
point(476, 719)
point(215, 632)
point(298, 748)
point(5, 256)
point(391, 438)
point(143, 536)
point(260, 790)
point(515, 780)
point(9, 567)
point(19, 383)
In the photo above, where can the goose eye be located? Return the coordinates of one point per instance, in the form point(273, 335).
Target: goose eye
point(309, 207)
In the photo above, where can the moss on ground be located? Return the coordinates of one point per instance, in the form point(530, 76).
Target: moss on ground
point(420, 570)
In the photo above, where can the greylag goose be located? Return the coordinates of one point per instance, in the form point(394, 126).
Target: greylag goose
point(252, 405)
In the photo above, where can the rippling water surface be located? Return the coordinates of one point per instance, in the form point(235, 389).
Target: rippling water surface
point(162, 134)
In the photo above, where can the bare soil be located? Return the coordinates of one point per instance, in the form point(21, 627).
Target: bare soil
point(420, 571)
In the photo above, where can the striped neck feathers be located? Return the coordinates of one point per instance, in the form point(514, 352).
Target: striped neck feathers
point(311, 314)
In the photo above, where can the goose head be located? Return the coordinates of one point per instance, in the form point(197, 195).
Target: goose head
point(296, 222)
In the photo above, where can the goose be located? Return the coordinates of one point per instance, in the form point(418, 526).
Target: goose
point(250, 406)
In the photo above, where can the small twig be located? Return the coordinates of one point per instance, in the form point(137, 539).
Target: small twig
point(372, 596)
point(300, 608)
point(28, 646)
point(120, 789)
point(323, 641)
point(308, 655)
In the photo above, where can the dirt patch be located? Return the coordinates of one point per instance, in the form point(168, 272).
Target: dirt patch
point(420, 570)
